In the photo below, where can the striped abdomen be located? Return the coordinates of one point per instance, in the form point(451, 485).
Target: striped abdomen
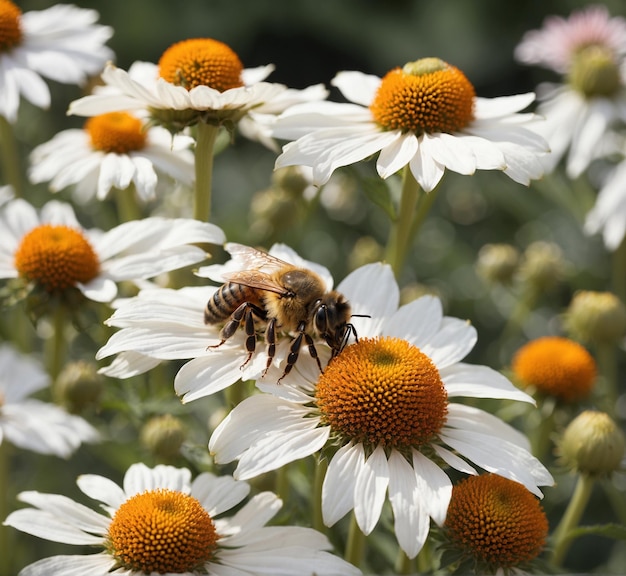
point(226, 299)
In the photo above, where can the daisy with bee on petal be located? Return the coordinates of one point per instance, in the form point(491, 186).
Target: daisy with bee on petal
point(382, 414)
point(421, 119)
point(164, 324)
point(199, 83)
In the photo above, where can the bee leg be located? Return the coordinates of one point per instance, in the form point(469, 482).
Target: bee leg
point(292, 358)
point(250, 329)
point(270, 338)
point(313, 351)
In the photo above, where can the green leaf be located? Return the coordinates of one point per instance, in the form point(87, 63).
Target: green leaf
point(378, 192)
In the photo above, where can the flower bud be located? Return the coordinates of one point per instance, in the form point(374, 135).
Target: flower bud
point(592, 444)
point(598, 317)
point(163, 436)
point(497, 263)
point(78, 386)
point(542, 266)
point(595, 72)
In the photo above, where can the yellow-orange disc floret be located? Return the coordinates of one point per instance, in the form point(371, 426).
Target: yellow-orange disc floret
point(116, 132)
point(56, 257)
point(162, 531)
point(496, 520)
point(382, 391)
point(427, 96)
point(201, 62)
point(10, 28)
point(556, 366)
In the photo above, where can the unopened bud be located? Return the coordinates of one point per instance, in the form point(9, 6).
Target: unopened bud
point(497, 263)
point(163, 436)
point(78, 386)
point(598, 317)
point(542, 266)
point(592, 444)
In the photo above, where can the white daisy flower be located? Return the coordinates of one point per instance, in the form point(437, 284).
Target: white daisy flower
point(161, 522)
point(197, 80)
point(425, 116)
point(61, 43)
point(52, 251)
point(259, 123)
point(113, 150)
point(589, 48)
point(381, 413)
point(164, 324)
point(32, 424)
point(608, 216)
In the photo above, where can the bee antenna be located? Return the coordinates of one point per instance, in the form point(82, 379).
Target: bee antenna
point(360, 316)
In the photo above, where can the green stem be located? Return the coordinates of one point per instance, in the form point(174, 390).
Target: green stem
point(541, 434)
point(402, 228)
point(56, 345)
point(9, 157)
point(404, 564)
point(281, 483)
point(321, 465)
point(127, 205)
point(5, 553)
point(606, 356)
point(355, 544)
point(618, 272)
point(205, 144)
point(571, 518)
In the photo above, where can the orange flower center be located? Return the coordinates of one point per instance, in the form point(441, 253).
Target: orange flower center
point(201, 62)
point(496, 521)
point(56, 257)
point(162, 531)
point(426, 96)
point(382, 391)
point(556, 366)
point(116, 132)
point(10, 29)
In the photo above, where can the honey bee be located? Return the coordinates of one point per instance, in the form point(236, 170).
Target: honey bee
point(279, 297)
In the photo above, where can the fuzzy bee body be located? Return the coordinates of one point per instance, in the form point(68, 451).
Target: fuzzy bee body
point(278, 297)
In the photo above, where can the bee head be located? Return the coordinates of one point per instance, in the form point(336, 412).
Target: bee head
point(330, 319)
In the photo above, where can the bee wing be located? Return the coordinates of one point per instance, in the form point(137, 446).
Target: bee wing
point(250, 258)
point(255, 279)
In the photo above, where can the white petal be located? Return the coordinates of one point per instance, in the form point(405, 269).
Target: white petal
point(92, 564)
point(411, 519)
point(501, 457)
point(480, 382)
point(356, 86)
point(470, 418)
point(452, 343)
point(102, 489)
point(416, 322)
point(370, 490)
point(453, 460)
point(372, 290)
point(218, 494)
point(100, 289)
point(340, 481)
point(434, 484)
point(502, 106)
point(139, 478)
point(396, 155)
point(452, 152)
point(424, 168)
point(129, 364)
